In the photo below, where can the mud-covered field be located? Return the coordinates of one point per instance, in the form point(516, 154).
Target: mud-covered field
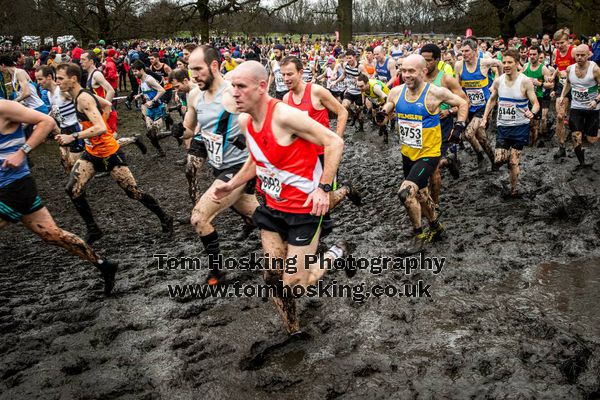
point(513, 315)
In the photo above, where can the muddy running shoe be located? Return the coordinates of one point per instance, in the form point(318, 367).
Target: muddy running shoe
point(216, 277)
point(435, 234)
point(128, 104)
point(453, 166)
point(167, 226)
point(560, 153)
point(93, 234)
point(354, 195)
point(102, 174)
point(140, 145)
point(108, 269)
point(417, 243)
point(183, 161)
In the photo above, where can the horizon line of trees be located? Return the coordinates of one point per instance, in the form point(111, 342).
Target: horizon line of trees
point(117, 20)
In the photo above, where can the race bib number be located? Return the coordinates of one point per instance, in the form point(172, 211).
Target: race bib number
point(214, 147)
point(476, 97)
point(581, 95)
point(411, 133)
point(507, 112)
point(269, 182)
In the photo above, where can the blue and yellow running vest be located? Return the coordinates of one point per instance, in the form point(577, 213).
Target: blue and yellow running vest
point(476, 86)
point(419, 129)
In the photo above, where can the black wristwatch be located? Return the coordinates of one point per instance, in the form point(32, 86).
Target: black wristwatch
point(326, 187)
point(75, 135)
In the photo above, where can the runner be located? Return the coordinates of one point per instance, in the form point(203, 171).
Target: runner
point(582, 80)
point(283, 154)
point(318, 103)
point(275, 72)
point(562, 58)
point(196, 153)
point(539, 75)
point(22, 85)
point(162, 70)
point(396, 51)
point(375, 95)
point(417, 107)
point(513, 91)
point(63, 111)
point(153, 109)
point(97, 84)
point(473, 74)
point(352, 96)
point(212, 109)
point(385, 67)
point(102, 154)
point(367, 64)
point(229, 63)
point(336, 85)
point(308, 71)
point(441, 78)
point(19, 199)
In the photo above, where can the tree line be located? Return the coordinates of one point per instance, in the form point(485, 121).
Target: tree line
point(115, 20)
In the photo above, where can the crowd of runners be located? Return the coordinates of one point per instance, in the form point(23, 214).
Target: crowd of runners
point(274, 159)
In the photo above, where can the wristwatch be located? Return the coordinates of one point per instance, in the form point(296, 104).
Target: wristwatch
point(26, 148)
point(326, 187)
point(75, 135)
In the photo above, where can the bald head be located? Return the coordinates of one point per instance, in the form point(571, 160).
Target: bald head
point(581, 54)
point(414, 68)
point(415, 61)
point(252, 70)
point(582, 49)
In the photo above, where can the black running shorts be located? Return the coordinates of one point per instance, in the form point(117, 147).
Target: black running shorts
point(19, 198)
point(420, 170)
point(354, 98)
point(226, 174)
point(295, 229)
point(105, 164)
point(584, 121)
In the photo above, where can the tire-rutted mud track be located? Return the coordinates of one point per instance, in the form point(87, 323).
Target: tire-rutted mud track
point(514, 314)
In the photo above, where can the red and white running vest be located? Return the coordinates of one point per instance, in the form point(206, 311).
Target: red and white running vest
point(288, 174)
point(306, 105)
